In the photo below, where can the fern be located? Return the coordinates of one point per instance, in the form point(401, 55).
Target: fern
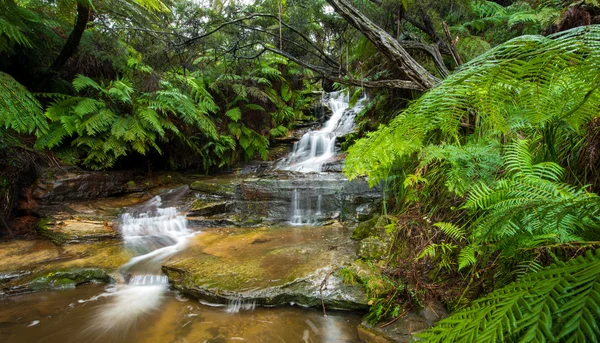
point(529, 208)
point(102, 132)
point(19, 110)
point(525, 85)
point(558, 303)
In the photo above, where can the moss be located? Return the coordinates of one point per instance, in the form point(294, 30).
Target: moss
point(364, 229)
point(214, 186)
point(43, 230)
point(67, 279)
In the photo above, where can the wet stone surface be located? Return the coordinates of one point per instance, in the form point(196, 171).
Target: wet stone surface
point(37, 265)
point(268, 266)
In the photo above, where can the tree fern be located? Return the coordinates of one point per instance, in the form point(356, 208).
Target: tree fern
point(524, 85)
point(558, 303)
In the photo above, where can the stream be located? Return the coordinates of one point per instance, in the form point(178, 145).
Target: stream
point(144, 307)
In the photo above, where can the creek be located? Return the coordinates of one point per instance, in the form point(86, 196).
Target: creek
point(238, 273)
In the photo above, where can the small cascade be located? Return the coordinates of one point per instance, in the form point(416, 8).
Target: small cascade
point(154, 233)
point(144, 280)
point(303, 212)
point(296, 208)
point(237, 305)
point(316, 148)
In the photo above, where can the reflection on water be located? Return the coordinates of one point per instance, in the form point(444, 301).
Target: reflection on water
point(59, 317)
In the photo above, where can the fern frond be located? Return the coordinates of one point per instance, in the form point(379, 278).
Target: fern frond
point(530, 81)
point(19, 110)
point(451, 230)
point(558, 303)
point(82, 82)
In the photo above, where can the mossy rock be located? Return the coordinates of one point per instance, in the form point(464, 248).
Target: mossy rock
point(374, 248)
point(364, 229)
point(67, 279)
point(43, 230)
point(220, 187)
point(202, 207)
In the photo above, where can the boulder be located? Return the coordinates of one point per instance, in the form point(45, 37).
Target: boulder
point(268, 266)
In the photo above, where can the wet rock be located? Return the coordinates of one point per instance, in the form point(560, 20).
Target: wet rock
point(366, 211)
point(380, 237)
point(27, 266)
point(203, 207)
point(364, 229)
point(404, 329)
point(289, 265)
point(67, 184)
point(65, 279)
point(270, 199)
point(75, 231)
point(221, 186)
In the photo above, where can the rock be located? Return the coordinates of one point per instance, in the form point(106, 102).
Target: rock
point(373, 248)
point(27, 266)
point(365, 211)
point(364, 229)
point(74, 231)
point(433, 312)
point(368, 335)
point(202, 207)
point(224, 185)
point(253, 200)
point(404, 329)
point(268, 266)
point(67, 184)
point(380, 238)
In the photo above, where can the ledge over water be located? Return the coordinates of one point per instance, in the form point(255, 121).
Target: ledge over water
point(268, 266)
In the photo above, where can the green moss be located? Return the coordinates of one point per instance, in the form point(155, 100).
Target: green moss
point(43, 230)
point(214, 186)
point(67, 279)
point(364, 229)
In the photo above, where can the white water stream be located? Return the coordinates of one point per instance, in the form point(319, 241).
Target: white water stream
point(155, 233)
point(315, 149)
point(318, 147)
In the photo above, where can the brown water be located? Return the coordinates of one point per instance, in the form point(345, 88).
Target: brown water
point(59, 316)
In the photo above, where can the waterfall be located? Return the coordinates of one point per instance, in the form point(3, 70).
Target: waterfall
point(154, 233)
point(315, 149)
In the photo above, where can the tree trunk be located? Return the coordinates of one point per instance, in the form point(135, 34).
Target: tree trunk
point(83, 16)
point(386, 44)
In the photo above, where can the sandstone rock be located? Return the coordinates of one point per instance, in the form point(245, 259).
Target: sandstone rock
point(268, 266)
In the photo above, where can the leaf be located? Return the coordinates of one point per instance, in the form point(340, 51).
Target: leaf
point(286, 92)
point(234, 114)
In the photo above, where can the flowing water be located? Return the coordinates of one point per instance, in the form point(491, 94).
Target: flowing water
point(60, 316)
point(142, 308)
point(315, 149)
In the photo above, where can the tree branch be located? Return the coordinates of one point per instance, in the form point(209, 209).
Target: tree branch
point(330, 74)
point(386, 44)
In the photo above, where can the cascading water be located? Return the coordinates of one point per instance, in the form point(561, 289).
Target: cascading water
point(155, 233)
point(318, 147)
point(315, 149)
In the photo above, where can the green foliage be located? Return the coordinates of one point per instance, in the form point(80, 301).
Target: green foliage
point(525, 85)
point(460, 166)
point(521, 17)
point(529, 208)
point(119, 121)
point(557, 304)
point(19, 110)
